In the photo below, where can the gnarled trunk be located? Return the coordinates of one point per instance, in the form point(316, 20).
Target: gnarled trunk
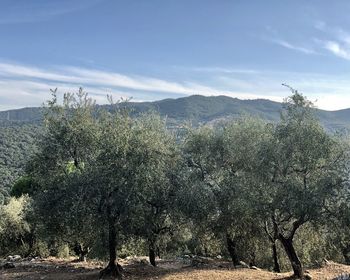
point(293, 257)
point(273, 238)
point(152, 254)
point(276, 265)
point(231, 247)
point(82, 256)
point(252, 261)
point(30, 240)
point(112, 269)
point(81, 251)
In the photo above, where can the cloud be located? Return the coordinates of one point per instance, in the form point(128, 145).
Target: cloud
point(224, 70)
point(329, 92)
point(293, 47)
point(24, 93)
point(338, 41)
point(337, 49)
point(23, 85)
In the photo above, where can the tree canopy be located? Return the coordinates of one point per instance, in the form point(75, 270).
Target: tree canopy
point(99, 181)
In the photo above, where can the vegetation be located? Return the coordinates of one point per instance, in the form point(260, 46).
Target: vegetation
point(197, 109)
point(108, 183)
point(17, 144)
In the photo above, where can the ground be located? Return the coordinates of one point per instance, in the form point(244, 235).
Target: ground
point(54, 269)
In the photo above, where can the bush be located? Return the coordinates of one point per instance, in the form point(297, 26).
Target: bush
point(13, 227)
point(63, 251)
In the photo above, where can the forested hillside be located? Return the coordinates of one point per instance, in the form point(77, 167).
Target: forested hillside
point(203, 109)
point(16, 146)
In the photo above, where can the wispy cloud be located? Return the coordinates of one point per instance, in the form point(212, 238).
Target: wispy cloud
point(337, 49)
point(337, 42)
point(23, 85)
point(293, 47)
point(334, 40)
point(224, 70)
point(90, 77)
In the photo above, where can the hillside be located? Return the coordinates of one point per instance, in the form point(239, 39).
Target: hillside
point(201, 109)
point(16, 146)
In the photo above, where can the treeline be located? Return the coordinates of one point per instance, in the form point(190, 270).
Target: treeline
point(109, 184)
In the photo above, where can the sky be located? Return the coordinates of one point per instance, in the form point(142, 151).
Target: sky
point(154, 49)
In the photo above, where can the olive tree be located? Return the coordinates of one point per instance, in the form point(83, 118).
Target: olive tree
point(222, 162)
point(158, 214)
point(302, 170)
point(65, 148)
point(131, 177)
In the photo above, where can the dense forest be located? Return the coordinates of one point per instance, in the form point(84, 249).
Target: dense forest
point(17, 144)
point(109, 183)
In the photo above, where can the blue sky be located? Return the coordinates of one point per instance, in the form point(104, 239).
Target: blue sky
point(155, 49)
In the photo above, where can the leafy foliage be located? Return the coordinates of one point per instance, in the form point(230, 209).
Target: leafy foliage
point(17, 144)
point(102, 182)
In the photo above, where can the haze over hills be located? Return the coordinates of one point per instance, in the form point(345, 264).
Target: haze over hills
point(199, 109)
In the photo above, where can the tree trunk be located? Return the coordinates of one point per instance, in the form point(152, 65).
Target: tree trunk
point(158, 252)
point(81, 251)
point(82, 258)
point(113, 269)
point(347, 258)
point(152, 255)
point(30, 239)
point(346, 253)
point(83, 254)
point(231, 247)
point(293, 257)
point(276, 265)
point(252, 261)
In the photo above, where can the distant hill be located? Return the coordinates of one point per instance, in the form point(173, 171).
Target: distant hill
point(199, 109)
point(31, 114)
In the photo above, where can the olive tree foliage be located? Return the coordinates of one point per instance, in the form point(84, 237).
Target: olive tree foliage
point(113, 179)
point(221, 164)
point(104, 171)
point(24, 185)
point(159, 184)
point(338, 224)
point(70, 135)
point(302, 170)
point(134, 178)
point(107, 176)
point(240, 150)
point(66, 147)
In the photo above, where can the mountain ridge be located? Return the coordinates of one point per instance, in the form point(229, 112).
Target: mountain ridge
point(199, 109)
